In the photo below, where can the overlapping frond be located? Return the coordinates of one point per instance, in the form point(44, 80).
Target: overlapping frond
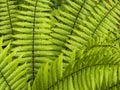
point(95, 69)
point(70, 18)
point(12, 74)
point(89, 27)
point(49, 75)
point(82, 20)
point(103, 23)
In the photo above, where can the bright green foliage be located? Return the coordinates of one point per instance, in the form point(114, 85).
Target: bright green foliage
point(7, 18)
point(12, 75)
point(70, 32)
point(86, 32)
point(81, 20)
point(49, 75)
point(32, 33)
point(95, 69)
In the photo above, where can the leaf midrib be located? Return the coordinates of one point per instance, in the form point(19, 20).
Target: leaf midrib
point(75, 22)
point(77, 71)
point(98, 25)
point(33, 41)
point(5, 80)
point(10, 19)
point(77, 16)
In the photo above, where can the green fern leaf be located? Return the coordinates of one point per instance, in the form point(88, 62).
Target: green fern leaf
point(49, 75)
point(80, 21)
point(7, 19)
point(93, 70)
point(32, 29)
point(12, 75)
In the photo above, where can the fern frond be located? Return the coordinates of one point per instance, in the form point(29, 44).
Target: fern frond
point(69, 18)
point(49, 75)
point(32, 33)
point(79, 24)
point(96, 69)
point(7, 19)
point(12, 74)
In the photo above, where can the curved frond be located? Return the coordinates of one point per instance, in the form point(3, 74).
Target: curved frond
point(12, 74)
point(80, 21)
point(47, 76)
point(103, 21)
point(70, 17)
point(86, 32)
point(96, 69)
